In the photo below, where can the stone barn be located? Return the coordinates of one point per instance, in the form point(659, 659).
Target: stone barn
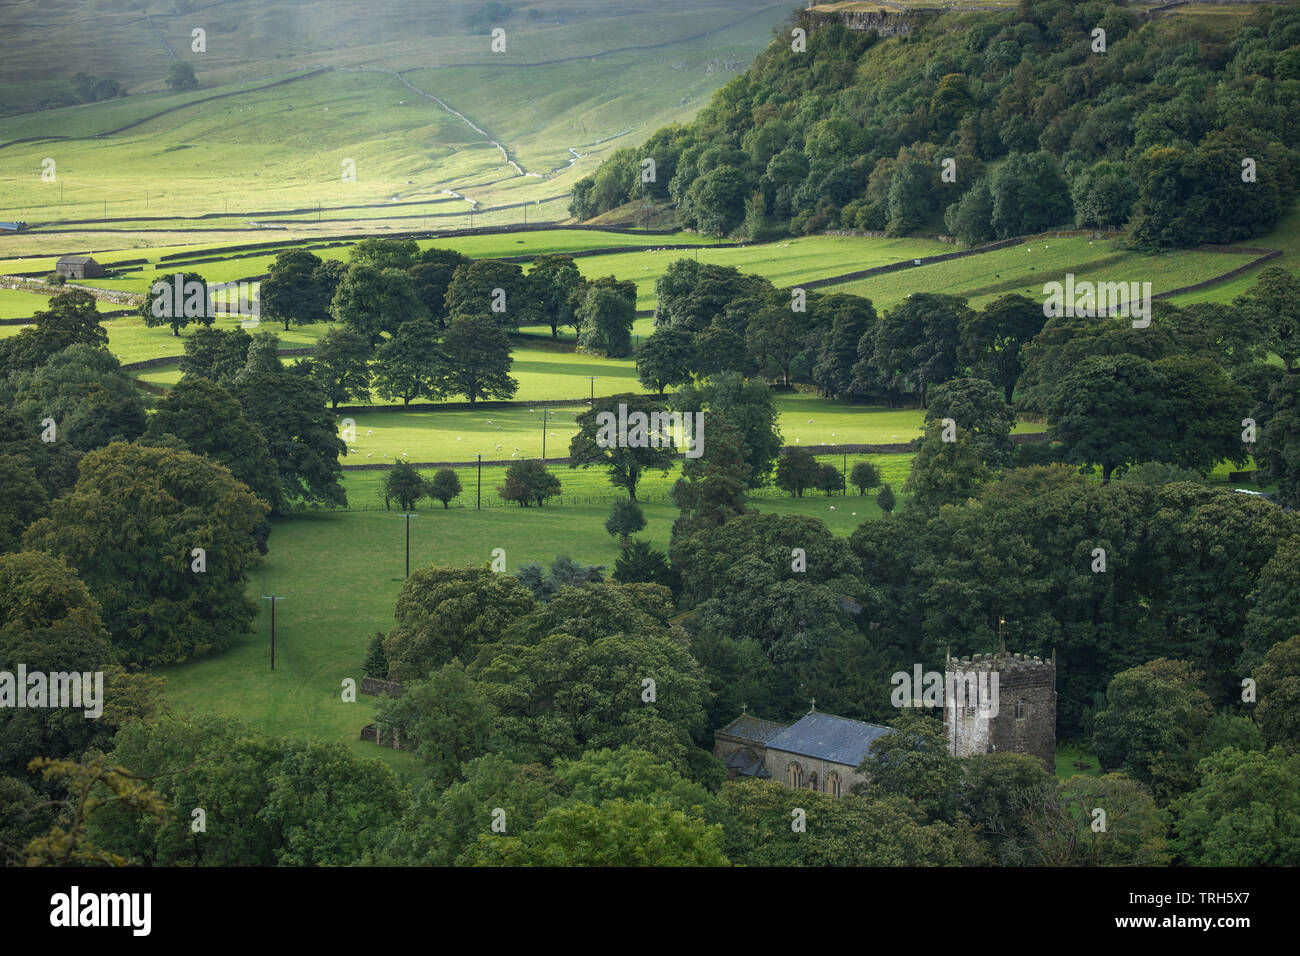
point(79, 267)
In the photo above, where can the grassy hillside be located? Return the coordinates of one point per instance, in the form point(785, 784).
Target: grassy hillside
point(275, 118)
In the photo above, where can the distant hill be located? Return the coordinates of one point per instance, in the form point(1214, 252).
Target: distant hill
point(1178, 125)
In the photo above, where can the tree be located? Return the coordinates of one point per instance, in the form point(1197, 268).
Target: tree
point(1205, 410)
point(711, 490)
point(1104, 196)
point(72, 319)
point(181, 77)
point(529, 482)
point(718, 200)
point(829, 479)
point(410, 364)
point(1278, 680)
point(176, 300)
point(156, 605)
point(1246, 811)
point(772, 339)
point(750, 406)
point(796, 470)
point(1274, 304)
point(473, 292)
point(592, 445)
point(1061, 830)
point(1109, 411)
point(995, 791)
point(914, 761)
point(375, 302)
point(976, 408)
point(210, 422)
point(864, 475)
point(441, 826)
point(993, 338)
point(24, 501)
point(432, 277)
point(606, 316)
point(340, 366)
point(263, 357)
point(215, 354)
point(289, 411)
point(444, 486)
point(383, 254)
point(613, 833)
point(1029, 195)
point(639, 562)
point(567, 694)
point(850, 317)
point(944, 472)
point(404, 483)
point(666, 357)
point(885, 498)
point(625, 519)
point(50, 624)
point(294, 289)
point(970, 218)
point(448, 613)
point(85, 391)
point(630, 774)
point(446, 719)
point(552, 281)
point(916, 344)
point(478, 359)
point(1151, 725)
point(1278, 453)
point(845, 831)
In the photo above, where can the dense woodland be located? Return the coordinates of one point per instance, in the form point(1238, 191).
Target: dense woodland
point(1045, 132)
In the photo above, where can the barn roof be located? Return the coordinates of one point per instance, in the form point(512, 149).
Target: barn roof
point(75, 260)
point(826, 737)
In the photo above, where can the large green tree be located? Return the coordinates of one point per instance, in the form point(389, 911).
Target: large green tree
point(130, 528)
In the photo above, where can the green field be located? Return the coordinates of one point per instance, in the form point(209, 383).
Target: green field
point(15, 304)
point(1025, 268)
point(268, 131)
point(340, 573)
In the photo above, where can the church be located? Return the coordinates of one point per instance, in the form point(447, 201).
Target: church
point(818, 752)
point(822, 752)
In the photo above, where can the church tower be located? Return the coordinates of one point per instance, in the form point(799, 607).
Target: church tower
point(1001, 703)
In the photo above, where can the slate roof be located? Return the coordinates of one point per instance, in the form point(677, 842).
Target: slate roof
point(746, 763)
point(75, 260)
point(753, 729)
point(836, 739)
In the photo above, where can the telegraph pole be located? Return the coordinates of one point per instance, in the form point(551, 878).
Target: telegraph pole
point(479, 502)
point(593, 390)
point(272, 598)
point(544, 411)
point(408, 516)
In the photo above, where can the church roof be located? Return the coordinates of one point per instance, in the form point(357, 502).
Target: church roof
point(746, 763)
point(836, 739)
point(753, 729)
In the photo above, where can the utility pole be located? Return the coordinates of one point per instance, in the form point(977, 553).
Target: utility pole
point(544, 412)
point(408, 516)
point(479, 502)
point(272, 598)
point(593, 390)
